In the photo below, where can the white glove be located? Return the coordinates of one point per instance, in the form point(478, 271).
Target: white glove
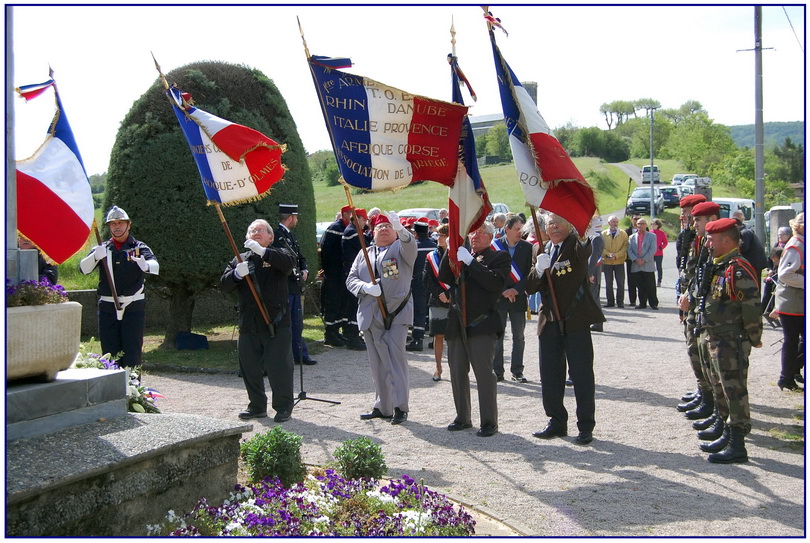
point(372, 289)
point(254, 246)
point(543, 262)
point(99, 252)
point(464, 255)
point(395, 224)
point(141, 262)
point(242, 270)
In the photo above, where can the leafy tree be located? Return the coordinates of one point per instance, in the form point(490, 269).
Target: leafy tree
point(481, 145)
point(154, 178)
point(565, 134)
point(588, 141)
point(498, 142)
point(699, 143)
point(606, 110)
point(331, 173)
point(790, 165)
point(317, 162)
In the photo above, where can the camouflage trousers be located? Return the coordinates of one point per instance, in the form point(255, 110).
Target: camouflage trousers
point(711, 375)
point(693, 353)
point(729, 359)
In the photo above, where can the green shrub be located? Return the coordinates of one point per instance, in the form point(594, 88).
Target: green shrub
point(360, 457)
point(274, 453)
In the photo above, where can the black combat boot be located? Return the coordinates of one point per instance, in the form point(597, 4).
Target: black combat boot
point(703, 410)
point(415, 345)
point(714, 431)
point(734, 451)
point(355, 343)
point(717, 445)
point(689, 396)
point(691, 404)
point(332, 337)
point(705, 423)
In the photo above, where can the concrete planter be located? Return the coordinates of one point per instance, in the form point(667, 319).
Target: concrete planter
point(42, 340)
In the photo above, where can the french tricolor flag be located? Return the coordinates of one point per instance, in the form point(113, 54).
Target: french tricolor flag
point(468, 204)
point(546, 173)
point(237, 164)
point(54, 203)
point(385, 138)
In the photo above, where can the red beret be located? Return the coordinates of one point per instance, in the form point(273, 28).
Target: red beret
point(706, 209)
point(433, 222)
point(692, 199)
point(346, 209)
point(407, 221)
point(379, 219)
point(721, 225)
point(360, 212)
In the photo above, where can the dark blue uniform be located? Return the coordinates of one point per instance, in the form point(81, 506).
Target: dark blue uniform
point(286, 240)
point(420, 292)
point(333, 290)
point(350, 244)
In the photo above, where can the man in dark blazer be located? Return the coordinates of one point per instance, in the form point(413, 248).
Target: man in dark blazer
point(564, 328)
point(263, 349)
point(285, 238)
point(632, 289)
point(471, 338)
point(514, 302)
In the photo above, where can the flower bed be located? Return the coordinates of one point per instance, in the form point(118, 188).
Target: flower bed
point(325, 505)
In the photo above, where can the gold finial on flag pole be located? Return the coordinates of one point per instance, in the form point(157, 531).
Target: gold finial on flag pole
point(453, 34)
point(303, 39)
point(162, 76)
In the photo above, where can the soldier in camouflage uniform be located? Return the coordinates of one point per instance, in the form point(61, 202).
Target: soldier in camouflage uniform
point(731, 322)
point(688, 248)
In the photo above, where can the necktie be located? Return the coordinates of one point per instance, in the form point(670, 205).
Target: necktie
point(554, 254)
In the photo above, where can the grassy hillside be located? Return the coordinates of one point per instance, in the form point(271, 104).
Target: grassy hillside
point(775, 133)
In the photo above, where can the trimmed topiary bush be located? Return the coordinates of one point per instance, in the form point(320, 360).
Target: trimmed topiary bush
point(274, 453)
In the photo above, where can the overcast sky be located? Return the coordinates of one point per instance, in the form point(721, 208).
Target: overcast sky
point(581, 57)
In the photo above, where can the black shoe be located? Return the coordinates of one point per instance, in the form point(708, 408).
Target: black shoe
point(250, 414)
point(641, 306)
point(400, 416)
point(283, 415)
point(785, 384)
point(374, 414)
point(356, 344)
point(798, 378)
point(596, 328)
point(487, 431)
point(330, 337)
point(583, 438)
point(620, 306)
point(307, 362)
point(654, 307)
point(415, 345)
point(456, 426)
point(499, 378)
point(551, 431)
point(609, 305)
point(518, 377)
point(430, 345)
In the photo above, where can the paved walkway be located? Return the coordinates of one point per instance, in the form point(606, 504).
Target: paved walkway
point(643, 475)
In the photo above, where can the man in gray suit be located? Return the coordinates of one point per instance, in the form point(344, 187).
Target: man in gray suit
point(392, 258)
point(641, 251)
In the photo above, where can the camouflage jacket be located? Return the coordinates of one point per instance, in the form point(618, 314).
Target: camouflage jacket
point(697, 255)
point(732, 302)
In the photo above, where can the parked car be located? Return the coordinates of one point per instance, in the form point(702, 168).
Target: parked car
point(419, 212)
point(498, 208)
point(679, 178)
point(650, 173)
point(639, 201)
point(686, 190)
point(729, 205)
point(320, 228)
point(672, 196)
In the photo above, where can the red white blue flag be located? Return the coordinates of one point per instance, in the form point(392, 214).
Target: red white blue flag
point(468, 204)
point(54, 203)
point(546, 173)
point(385, 138)
point(237, 164)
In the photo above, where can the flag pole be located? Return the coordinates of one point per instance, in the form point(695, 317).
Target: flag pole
point(108, 273)
point(462, 283)
point(551, 290)
point(381, 297)
point(259, 302)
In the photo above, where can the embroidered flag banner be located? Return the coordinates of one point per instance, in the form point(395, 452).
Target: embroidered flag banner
point(546, 173)
point(237, 164)
point(54, 203)
point(468, 203)
point(385, 138)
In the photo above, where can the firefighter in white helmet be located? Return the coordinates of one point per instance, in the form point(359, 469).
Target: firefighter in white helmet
point(121, 304)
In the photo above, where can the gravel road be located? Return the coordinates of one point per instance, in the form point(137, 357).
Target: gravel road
point(643, 475)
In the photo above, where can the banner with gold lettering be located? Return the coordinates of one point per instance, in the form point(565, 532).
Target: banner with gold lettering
point(237, 164)
point(385, 138)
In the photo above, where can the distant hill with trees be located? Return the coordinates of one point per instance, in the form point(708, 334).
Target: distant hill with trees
point(775, 133)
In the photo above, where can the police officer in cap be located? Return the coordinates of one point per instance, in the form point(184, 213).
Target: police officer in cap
point(419, 290)
point(128, 260)
point(285, 238)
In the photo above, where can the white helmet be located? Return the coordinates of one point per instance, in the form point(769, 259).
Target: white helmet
point(116, 214)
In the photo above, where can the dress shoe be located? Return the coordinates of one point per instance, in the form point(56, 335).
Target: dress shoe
point(330, 337)
point(374, 414)
point(654, 307)
point(415, 345)
point(659, 284)
point(551, 431)
point(798, 378)
point(457, 426)
point(283, 415)
point(641, 306)
point(518, 377)
point(620, 306)
point(307, 362)
point(250, 414)
point(487, 431)
point(609, 305)
point(787, 384)
point(355, 344)
point(583, 438)
point(596, 328)
point(437, 377)
point(400, 416)
point(499, 378)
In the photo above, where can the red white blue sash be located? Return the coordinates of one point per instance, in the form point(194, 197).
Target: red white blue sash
point(500, 245)
point(434, 260)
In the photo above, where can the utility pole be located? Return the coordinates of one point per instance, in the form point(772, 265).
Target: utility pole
point(12, 253)
point(759, 130)
point(651, 111)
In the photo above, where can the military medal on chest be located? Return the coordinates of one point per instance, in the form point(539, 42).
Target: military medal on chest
point(390, 269)
point(563, 267)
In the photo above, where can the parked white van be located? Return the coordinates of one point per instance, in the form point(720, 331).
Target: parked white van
point(729, 205)
point(650, 172)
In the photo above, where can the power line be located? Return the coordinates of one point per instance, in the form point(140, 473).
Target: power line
point(793, 29)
